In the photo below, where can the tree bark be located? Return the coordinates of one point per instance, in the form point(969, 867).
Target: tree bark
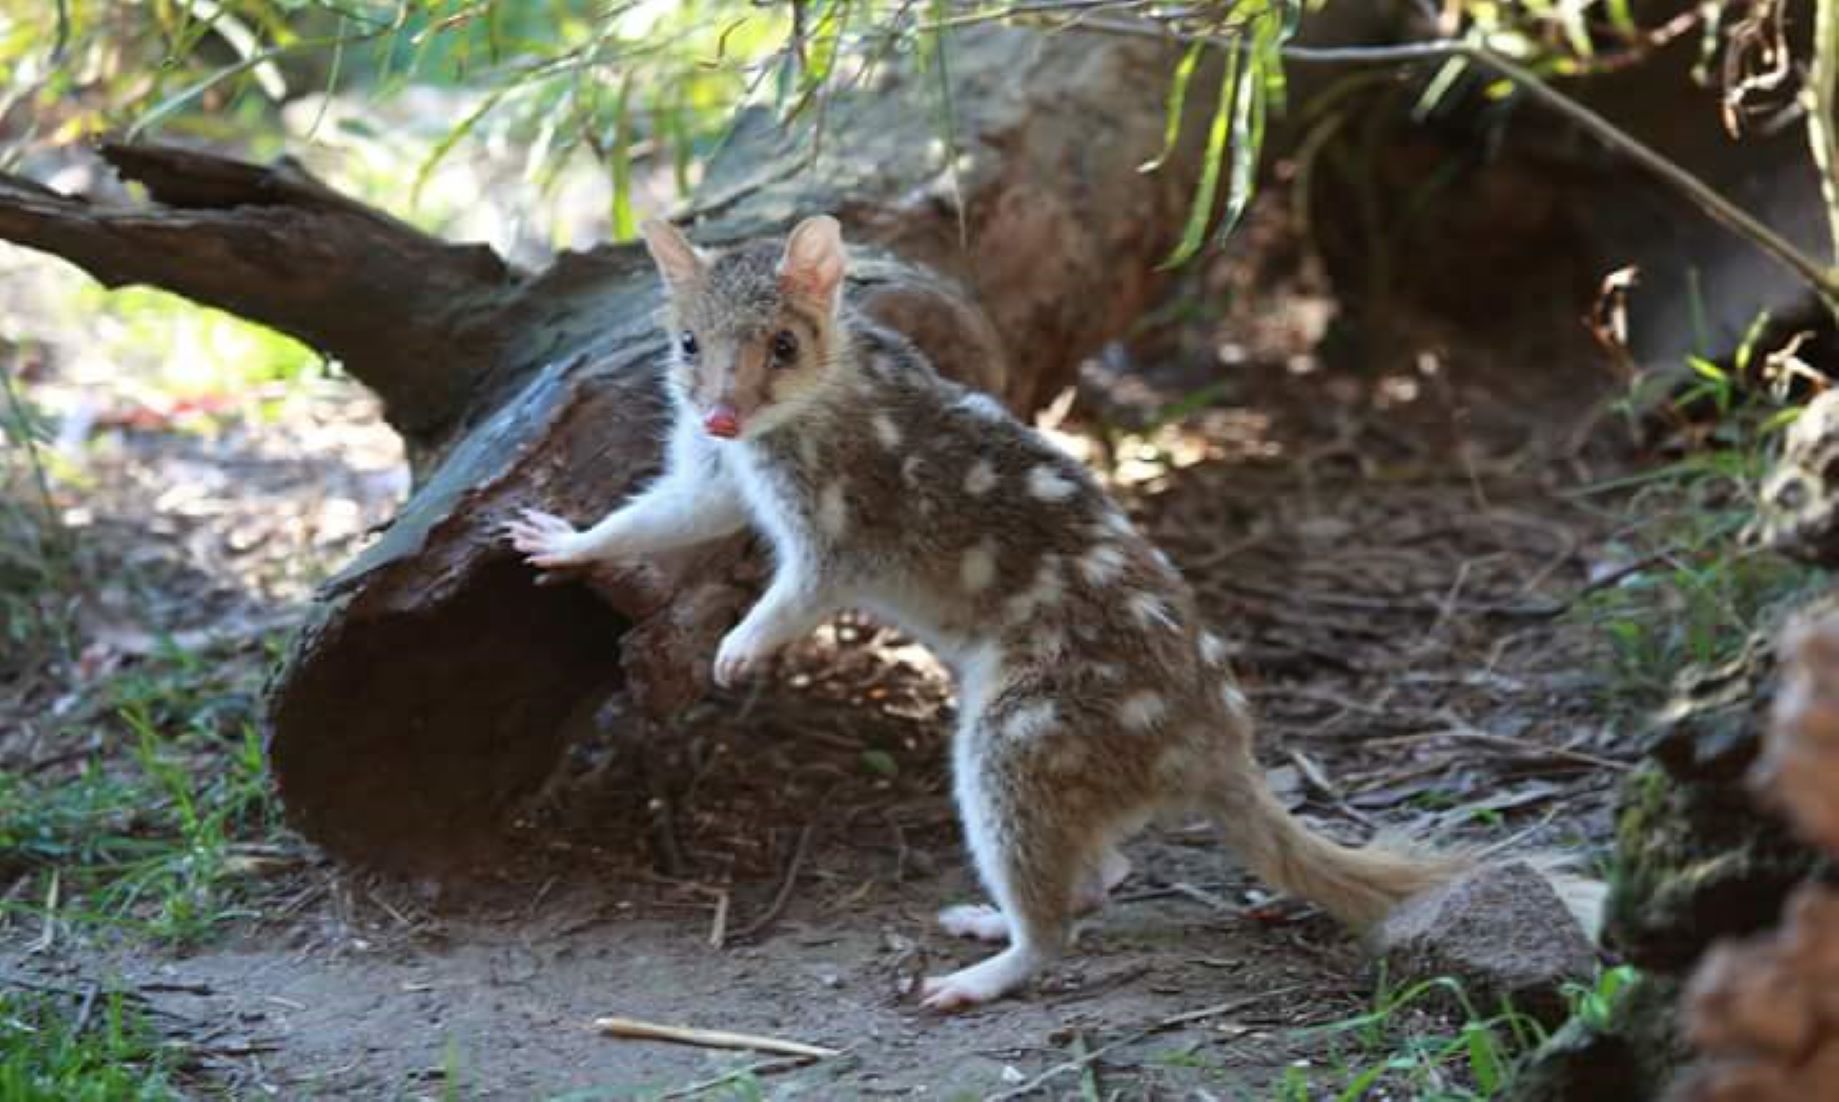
point(434, 686)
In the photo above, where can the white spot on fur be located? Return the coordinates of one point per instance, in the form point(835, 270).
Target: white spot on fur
point(910, 470)
point(886, 431)
point(1029, 720)
point(1044, 591)
point(983, 406)
point(1102, 564)
point(1142, 710)
point(1107, 671)
point(807, 451)
point(1151, 609)
point(1047, 484)
point(1212, 649)
point(978, 569)
point(981, 478)
point(1234, 699)
point(1048, 644)
point(1118, 524)
point(832, 510)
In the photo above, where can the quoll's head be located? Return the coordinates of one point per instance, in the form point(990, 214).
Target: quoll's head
point(753, 330)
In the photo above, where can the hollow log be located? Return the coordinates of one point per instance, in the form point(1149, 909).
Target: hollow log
point(434, 685)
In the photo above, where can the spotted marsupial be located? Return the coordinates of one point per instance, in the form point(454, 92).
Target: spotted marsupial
point(1091, 697)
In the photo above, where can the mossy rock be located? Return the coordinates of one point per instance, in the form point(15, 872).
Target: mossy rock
point(1628, 1057)
point(1696, 858)
point(1694, 863)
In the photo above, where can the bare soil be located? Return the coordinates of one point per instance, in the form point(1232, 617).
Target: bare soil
point(1389, 542)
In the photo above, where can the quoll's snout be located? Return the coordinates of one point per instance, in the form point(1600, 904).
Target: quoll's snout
point(722, 421)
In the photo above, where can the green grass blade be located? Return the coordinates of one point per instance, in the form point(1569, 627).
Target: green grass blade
point(449, 140)
point(1200, 212)
point(1177, 103)
point(625, 226)
point(1247, 134)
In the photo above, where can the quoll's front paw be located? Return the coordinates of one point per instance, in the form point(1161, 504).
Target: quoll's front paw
point(546, 540)
point(735, 660)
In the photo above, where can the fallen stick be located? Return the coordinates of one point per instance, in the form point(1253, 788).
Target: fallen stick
point(708, 1038)
point(784, 894)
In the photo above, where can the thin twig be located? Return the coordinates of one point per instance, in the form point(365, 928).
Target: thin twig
point(1187, 1017)
point(784, 894)
point(81, 1023)
point(1460, 728)
point(718, 925)
point(634, 1029)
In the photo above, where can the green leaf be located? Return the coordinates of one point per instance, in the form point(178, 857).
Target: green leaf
point(1247, 131)
point(1438, 87)
point(625, 226)
point(1780, 420)
point(1706, 369)
point(881, 763)
point(1200, 211)
point(1747, 349)
point(449, 140)
point(1576, 30)
point(1484, 1060)
point(1177, 103)
point(1621, 18)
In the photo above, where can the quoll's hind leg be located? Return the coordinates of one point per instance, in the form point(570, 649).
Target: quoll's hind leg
point(986, 923)
point(1029, 856)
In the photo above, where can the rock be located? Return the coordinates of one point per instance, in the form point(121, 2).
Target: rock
point(1799, 511)
point(1628, 1055)
point(1695, 860)
point(1501, 930)
point(1760, 1011)
point(1763, 1011)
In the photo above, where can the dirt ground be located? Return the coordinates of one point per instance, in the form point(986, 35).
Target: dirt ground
point(1391, 541)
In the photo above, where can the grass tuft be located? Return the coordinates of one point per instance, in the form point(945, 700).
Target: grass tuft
point(55, 1048)
point(160, 828)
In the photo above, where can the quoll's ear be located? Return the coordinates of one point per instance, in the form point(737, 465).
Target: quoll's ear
point(679, 262)
point(813, 265)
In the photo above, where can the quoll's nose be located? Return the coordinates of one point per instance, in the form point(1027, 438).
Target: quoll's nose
point(722, 421)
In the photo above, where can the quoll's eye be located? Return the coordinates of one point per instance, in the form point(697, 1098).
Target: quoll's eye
point(785, 346)
point(686, 342)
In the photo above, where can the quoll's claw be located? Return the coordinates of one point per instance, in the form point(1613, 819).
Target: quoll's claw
point(735, 660)
point(543, 538)
point(943, 994)
point(732, 669)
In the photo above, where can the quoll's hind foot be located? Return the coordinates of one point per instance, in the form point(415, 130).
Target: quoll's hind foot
point(983, 922)
point(980, 983)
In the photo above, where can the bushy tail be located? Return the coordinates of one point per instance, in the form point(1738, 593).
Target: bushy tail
point(1357, 886)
